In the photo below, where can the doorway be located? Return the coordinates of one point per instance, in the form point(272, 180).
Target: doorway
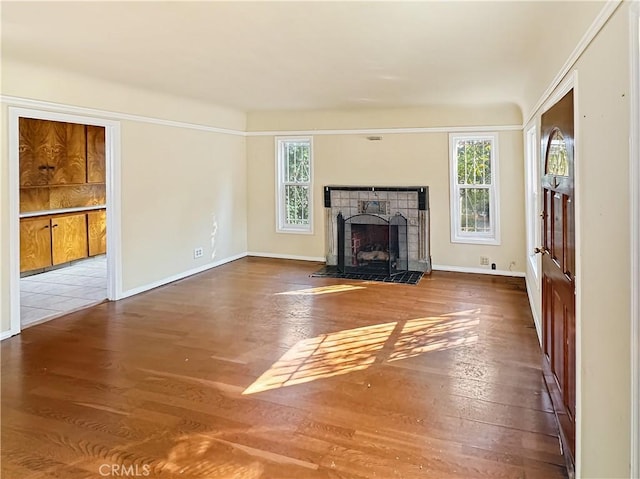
point(62, 218)
point(72, 274)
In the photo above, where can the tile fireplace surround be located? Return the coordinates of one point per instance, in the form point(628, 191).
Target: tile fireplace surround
point(412, 202)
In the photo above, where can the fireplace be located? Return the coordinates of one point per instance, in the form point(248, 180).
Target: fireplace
point(381, 229)
point(370, 243)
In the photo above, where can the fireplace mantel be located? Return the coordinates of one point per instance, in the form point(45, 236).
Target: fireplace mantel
point(385, 201)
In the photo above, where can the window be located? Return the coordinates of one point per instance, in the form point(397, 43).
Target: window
point(474, 191)
point(294, 195)
point(532, 172)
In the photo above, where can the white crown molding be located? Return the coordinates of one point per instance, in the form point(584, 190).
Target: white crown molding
point(490, 272)
point(179, 276)
point(111, 115)
point(593, 30)
point(321, 259)
point(388, 131)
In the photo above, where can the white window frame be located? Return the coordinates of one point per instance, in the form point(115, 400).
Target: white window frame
point(532, 200)
point(457, 235)
point(281, 224)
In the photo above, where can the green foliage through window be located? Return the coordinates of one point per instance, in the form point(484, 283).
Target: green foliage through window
point(473, 158)
point(295, 164)
point(474, 168)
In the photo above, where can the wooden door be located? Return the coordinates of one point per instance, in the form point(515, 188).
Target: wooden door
point(97, 225)
point(35, 243)
point(558, 264)
point(68, 238)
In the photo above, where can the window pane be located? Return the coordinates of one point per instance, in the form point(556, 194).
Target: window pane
point(474, 210)
point(296, 204)
point(297, 164)
point(474, 162)
point(558, 155)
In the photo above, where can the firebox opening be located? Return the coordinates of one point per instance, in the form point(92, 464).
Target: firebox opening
point(370, 247)
point(372, 244)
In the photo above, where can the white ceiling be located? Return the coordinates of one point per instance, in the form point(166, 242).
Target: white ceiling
point(292, 55)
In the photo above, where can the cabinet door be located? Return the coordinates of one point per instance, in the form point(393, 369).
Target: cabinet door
point(34, 151)
point(97, 224)
point(69, 163)
point(68, 238)
point(95, 154)
point(35, 244)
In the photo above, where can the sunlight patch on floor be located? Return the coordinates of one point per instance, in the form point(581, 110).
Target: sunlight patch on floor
point(325, 356)
point(424, 335)
point(337, 288)
point(351, 350)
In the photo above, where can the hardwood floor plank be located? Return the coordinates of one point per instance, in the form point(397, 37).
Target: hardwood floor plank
point(256, 370)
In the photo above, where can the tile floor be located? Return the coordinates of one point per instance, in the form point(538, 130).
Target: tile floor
point(47, 295)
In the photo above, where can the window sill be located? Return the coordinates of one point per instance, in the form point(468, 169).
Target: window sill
point(477, 241)
point(294, 231)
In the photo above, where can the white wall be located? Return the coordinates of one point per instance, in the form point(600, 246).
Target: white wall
point(400, 159)
point(176, 180)
point(603, 299)
point(549, 53)
point(181, 189)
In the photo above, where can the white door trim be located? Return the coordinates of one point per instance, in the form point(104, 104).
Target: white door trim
point(634, 153)
point(112, 154)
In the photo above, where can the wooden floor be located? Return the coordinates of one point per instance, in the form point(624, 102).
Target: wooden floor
point(256, 370)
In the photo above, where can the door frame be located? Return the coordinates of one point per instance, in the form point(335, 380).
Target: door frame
point(569, 82)
point(113, 183)
point(634, 159)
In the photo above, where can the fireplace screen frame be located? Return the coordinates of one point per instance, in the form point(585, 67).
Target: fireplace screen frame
point(355, 258)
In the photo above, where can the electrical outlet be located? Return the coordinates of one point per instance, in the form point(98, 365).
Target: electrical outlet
point(484, 260)
point(198, 253)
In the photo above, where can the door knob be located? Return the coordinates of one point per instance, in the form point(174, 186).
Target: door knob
point(539, 250)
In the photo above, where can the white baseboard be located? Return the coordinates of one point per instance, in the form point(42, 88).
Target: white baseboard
point(7, 334)
point(464, 269)
point(536, 318)
point(176, 277)
point(287, 256)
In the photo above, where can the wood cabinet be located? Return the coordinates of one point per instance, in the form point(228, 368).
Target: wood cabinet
point(52, 240)
point(52, 153)
point(56, 239)
point(62, 167)
point(35, 243)
point(97, 227)
point(68, 238)
point(96, 167)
